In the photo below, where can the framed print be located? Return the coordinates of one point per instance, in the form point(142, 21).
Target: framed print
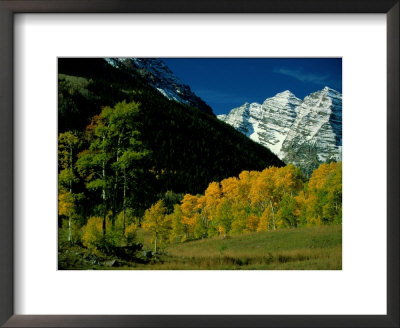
point(181, 164)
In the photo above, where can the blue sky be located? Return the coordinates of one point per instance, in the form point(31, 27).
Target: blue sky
point(226, 83)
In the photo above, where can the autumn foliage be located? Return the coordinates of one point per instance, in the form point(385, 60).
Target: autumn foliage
point(255, 201)
point(106, 182)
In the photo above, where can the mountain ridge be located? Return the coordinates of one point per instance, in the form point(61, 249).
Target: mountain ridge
point(303, 132)
point(160, 77)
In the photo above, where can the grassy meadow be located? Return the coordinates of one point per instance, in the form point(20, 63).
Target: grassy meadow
point(306, 248)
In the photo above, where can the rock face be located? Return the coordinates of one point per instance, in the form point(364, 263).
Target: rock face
point(305, 133)
point(159, 76)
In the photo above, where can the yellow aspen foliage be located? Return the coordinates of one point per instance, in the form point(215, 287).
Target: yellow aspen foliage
point(157, 223)
point(224, 215)
point(313, 216)
point(213, 192)
point(189, 205)
point(201, 203)
point(252, 223)
point(301, 202)
point(190, 222)
point(324, 195)
point(265, 222)
point(201, 208)
point(221, 231)
point(230, 188)
point(130, 232)
point(246, 180)
point(93, 233)
point(212, 197)
point(239, 217)
point(318, 178)
point(285, 179)
point(261, 201)
point(66, 203)
point(178, 232)
point(260, 194)
point(190, 213)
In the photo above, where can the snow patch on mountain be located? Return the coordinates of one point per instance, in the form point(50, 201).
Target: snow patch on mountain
point(159, 76)
point(265, 123)
point(303, 132)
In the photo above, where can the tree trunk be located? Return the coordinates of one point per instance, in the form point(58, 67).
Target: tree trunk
point(104, 201)
point(69, 219)
point(70, 191)
point(155, 245)
point(115, 193)
point(273, 215)
point(123, 201)
point(69, 229)
point(104, 227)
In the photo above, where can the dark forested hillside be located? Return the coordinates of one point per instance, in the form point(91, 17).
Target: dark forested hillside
point(187, 147)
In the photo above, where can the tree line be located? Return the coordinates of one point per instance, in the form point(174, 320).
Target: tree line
point(265, 200)
point(122, 172)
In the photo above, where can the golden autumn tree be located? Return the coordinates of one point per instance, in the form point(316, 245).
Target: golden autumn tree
point(288, 180)
point(286, 215)
point(157, 223)
point(263, 193)
point(190, 214)
point(230, 188)
point(177, 226)
point(201, 225)
point(241, 199)
point(266, 222)
point(260, 201)
point(209, 203)
point(252, 223)
point(235, 192)
point(323, 196)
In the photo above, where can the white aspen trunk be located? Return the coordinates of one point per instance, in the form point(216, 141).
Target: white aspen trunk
point(123, 201)
point(69, 218)
point(70, 191)
point(273, 215)
point(69, 228)
point(116, 179)
point(103, 196)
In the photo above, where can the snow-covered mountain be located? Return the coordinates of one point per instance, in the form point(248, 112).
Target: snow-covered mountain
point(159, 76)
point(303, 132)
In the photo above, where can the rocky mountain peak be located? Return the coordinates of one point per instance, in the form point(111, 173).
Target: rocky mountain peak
point(303, 132)
point(159, 76)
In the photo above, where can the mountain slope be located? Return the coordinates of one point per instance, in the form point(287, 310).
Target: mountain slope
point(316, 134)
point(159, 76)
point(305, 133)
point(189, 147)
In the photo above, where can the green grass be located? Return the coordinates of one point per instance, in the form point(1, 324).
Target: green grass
point(309, 248)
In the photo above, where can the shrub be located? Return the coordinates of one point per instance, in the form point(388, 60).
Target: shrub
point(130, 233)
point(76, 231)
point(93, 233)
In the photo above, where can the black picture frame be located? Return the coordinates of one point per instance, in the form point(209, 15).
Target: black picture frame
point(10, 7)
